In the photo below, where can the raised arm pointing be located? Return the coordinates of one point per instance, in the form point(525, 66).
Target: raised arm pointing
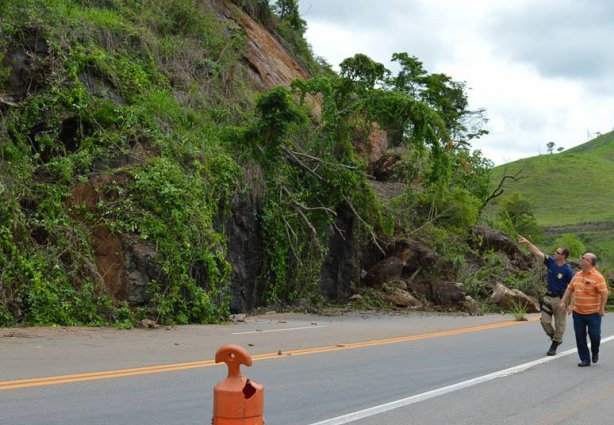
point(535, 250)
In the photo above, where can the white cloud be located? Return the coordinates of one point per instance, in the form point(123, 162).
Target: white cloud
point(541, 68)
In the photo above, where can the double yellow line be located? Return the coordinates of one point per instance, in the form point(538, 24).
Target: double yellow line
point(94, 376)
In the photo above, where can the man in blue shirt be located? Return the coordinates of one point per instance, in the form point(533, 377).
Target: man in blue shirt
point(560, 274)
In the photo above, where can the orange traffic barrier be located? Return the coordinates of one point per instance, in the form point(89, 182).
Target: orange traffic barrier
point(237, 400)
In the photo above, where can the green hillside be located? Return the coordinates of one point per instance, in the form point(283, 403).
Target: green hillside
point(572, 187)
point(570, 192)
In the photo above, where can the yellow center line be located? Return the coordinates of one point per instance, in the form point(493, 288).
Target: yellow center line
point(94, 376)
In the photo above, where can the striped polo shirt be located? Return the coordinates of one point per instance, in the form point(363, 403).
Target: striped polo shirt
point(587, 288)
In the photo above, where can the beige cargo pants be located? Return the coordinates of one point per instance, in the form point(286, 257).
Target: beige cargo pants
point(559, 314)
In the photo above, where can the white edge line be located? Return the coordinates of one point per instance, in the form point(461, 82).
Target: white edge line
point(372, 411)
point(279, 330)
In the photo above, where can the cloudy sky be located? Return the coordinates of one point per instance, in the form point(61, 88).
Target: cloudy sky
point(542, 69)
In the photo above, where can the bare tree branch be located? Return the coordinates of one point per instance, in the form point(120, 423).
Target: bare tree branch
point(315, 158)
point(433, 216)
point(295, 157)
point(292, 157)
point(499, 190)
point(367, 226)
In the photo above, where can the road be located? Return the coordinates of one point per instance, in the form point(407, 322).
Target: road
point(359, 369)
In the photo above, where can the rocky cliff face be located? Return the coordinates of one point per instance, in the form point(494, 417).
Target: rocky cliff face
point(125, 266)
point(267, 61)
point(268, 65)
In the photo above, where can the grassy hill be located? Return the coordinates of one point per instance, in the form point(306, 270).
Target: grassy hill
point(571, 191)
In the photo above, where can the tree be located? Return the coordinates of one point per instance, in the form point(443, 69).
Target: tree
point(408, 79)
point(288, 12)
point(443, 94)
point(550, 147)
point(426, 112)
point(257, 9)
point(277, 112)
point(363, 70)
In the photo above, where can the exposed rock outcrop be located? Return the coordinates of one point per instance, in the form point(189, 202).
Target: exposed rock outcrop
point(383, 168)
point(26, 62)
point(341, 267)
point(245, 253)
point(267, 60)
point(124, 265)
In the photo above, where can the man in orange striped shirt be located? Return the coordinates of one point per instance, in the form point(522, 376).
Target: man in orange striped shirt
point(590, 293)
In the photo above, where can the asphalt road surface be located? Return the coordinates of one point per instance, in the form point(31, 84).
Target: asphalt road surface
point(360, 369)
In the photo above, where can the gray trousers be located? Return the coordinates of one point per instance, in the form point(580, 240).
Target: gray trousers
point(559, 314)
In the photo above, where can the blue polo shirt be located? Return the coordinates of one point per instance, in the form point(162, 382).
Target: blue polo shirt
point(558, 276)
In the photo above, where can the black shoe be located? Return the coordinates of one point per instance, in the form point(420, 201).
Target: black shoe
point(553, 347)
point(595, 357)
point(584, 364)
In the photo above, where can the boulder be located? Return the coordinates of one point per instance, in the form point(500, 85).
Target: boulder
point(511, 299)
point(471, 306)
point(447, 293)
point(387, 270)
point(484, 238)
point(400, 298)
point(421, 288)
point(414, 256)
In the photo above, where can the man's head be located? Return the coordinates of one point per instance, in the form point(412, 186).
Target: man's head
point(561, 253)
point(588, 261)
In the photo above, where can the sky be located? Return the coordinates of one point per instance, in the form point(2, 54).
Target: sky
point(542, 69)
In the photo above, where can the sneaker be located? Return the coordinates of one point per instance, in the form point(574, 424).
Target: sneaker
point(584, 364)
point(553, 347)
point(595, 357)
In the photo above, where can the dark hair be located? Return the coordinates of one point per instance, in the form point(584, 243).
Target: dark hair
point(565, 252)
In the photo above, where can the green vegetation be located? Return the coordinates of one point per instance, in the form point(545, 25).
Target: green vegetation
point(568, 193)
point(556, 184)
point(516, 217)
point(134, 92)
point(496, 268)
point(519, 311)
point(133, 126)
